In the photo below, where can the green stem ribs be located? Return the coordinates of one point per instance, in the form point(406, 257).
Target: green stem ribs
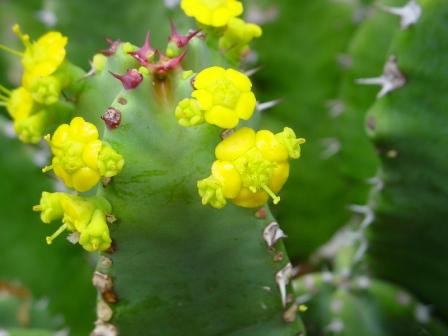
point(410, 228)
point(178, 265)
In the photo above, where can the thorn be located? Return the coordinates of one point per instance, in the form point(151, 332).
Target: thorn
point(283, 277)
point(377, 183)
point(335, 326)
point(403, 298)
point(335, 108)
point(363, 282)
point(253, 71)
point(371, 123)
point(290, 314)
point(332, 147)
point(422, 313)
point(104, 329)
point(73, 237)
point(272, 234)
point(409, 13)
point(327, 277)
point(366, 211)
point(345, 61)
point(102, 282)
point(268, 105)
point(113, 46)
point(111, 218)
point(390, 80)
point(336, 306)
point(171, 3)
point(103, 312)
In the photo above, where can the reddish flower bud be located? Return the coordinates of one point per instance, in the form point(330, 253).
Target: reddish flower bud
point(143, 54)
point(180, 40)
point(113, 45)
point(131, 79)
point(166, 64)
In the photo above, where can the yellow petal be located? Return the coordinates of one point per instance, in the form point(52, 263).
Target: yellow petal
point(90, 154)
point(246, 105)
point(240, 80)
point(208, 76)
point(248, 199)
point(236, 145)
point(280, 175)
point(82, 130)
point(84, 179)
point(222, 117)
point(204, 97)
point(270, 147)
point(229, 177)
point(61, 135)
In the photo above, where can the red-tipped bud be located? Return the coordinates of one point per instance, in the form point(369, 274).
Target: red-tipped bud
point(165, 64)
point(180, 40)
point(112, 118)
point(113, 45)
point(143, 54)
point(130, 80)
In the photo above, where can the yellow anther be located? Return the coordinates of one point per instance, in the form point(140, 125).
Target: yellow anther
point(275, 198)
point(216, 13)
point(80, 158)
point(223, 96)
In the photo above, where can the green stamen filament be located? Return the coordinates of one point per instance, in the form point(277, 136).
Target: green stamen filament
point(11, 51)
point(47, 169)
point(61, 229)
point(37, 208)
point(5, 90)
point(274, 197)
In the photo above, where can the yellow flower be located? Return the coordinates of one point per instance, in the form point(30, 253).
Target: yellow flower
point(42, 57)
point(19, 102)
point(237, 37)
point(86, 216)
point(221, 97)
point(216, 13)
point(250, 167)
point(80, 158)
point(96, 237)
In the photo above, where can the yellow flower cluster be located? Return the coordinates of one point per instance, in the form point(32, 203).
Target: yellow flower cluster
point(221, 97)
point(215, 13)
point(80, 158)
point(40, 86)
point(250, 166)
point(84, 216)
point(237, 36)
